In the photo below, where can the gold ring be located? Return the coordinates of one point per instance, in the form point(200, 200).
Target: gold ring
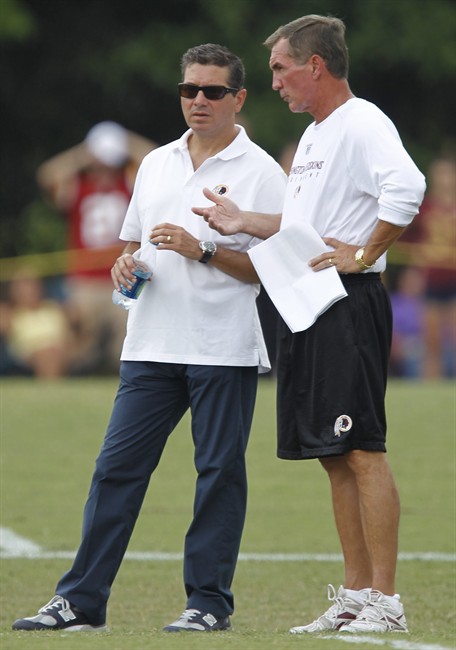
point(169, 238)
point(330, 261)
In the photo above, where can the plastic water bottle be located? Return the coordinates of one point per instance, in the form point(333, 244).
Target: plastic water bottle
point(127, 296)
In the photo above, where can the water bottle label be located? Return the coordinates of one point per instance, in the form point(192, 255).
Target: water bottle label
point(142, 274)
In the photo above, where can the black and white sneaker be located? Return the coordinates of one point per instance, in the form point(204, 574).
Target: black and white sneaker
point(58, 614)
point(192, 620)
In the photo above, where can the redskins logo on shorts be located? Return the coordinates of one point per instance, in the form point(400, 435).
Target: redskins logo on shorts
point(342, 424)
point(220, 189)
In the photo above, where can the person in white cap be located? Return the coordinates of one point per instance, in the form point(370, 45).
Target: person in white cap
point(91, 184)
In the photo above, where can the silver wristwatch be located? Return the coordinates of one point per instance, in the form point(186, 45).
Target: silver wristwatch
point(209, 249)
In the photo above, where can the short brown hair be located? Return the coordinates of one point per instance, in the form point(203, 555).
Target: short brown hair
point(219, 55)
point(313, 34)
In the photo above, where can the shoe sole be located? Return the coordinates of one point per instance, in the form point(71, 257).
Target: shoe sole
point(349, 629)
point(75, 628)
point(189, 629)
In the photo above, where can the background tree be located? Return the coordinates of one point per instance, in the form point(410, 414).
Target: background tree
point(66, 65)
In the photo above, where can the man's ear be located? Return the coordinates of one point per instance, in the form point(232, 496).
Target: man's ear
point(240, 99)
point(318, 65)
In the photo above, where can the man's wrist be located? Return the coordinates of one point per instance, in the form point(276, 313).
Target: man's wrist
point(208, 249)
point(359, 259)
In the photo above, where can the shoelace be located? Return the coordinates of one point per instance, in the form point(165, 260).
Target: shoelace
point(336, 607)
point(189, 614)
point(376, 610)
point(56, 601)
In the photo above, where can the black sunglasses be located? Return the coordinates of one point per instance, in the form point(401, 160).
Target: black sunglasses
point(190, 91)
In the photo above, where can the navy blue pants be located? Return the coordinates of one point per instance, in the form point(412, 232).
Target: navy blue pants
point(151, 399)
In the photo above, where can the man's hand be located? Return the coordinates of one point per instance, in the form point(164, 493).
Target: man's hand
point(224, 217)
point(342, 257)
point(169, 237)
point(122, 271)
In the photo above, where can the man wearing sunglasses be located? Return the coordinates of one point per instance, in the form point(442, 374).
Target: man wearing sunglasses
point(194, 342)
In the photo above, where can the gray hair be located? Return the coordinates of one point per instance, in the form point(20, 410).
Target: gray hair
point(313, 34)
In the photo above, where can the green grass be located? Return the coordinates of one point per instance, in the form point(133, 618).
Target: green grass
point(51, 434)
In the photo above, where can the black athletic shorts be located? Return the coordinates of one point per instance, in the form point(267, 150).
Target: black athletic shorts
point(332, 377)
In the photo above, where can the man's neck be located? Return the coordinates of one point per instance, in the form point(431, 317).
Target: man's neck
point(202, 147)
point(336, 94)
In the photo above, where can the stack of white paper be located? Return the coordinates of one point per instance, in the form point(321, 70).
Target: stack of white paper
point(299, 293)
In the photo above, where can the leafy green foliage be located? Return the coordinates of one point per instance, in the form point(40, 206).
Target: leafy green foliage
point(17, 22)
point(63, 69)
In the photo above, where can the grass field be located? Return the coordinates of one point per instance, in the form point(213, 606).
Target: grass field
point(50, 437)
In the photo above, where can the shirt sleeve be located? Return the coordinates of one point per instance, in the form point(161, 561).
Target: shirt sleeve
point(382, 168)
point(131, 229)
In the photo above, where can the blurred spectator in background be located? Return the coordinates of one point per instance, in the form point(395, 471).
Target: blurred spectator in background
point(407, 350)
point(35, 331)
point(91, 184)
point(434, 234)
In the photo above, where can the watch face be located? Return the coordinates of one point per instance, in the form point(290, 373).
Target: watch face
point(208, 247)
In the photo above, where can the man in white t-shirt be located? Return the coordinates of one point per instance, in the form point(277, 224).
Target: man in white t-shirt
point(353, 181)
point(193, 341)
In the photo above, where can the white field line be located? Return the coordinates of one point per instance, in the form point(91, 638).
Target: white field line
point(388, 642)
point(14, 546)
point(12, 543)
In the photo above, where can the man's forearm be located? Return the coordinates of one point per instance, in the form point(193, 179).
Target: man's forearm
point(381, 239)
point(260, 225)
point(131, 247)
point(236, 264)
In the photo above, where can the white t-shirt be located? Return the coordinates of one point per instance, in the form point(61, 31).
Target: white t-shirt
point(350, 170)
point(193, 313)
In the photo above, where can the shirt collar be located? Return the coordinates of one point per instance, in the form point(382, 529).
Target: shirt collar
point(235, 149)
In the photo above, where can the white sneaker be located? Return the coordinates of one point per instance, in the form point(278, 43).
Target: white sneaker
point(380, 614)
point(347, 604)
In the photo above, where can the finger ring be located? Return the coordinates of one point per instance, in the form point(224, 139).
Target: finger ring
point(169, 238)
point(330, 261)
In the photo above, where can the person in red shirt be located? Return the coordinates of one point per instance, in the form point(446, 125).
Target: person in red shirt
point(91, 184)
point(431, 244)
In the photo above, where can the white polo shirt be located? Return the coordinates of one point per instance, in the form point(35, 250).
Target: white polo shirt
point(193, 313)
point(350, 170)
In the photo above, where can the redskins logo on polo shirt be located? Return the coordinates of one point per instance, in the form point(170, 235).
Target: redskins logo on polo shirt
point(342, 424)
point(221, 189)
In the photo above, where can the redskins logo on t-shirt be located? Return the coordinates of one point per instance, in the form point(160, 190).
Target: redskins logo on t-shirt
point(221, 189)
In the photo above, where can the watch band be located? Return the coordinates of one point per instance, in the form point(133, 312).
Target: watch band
point(206, 257)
